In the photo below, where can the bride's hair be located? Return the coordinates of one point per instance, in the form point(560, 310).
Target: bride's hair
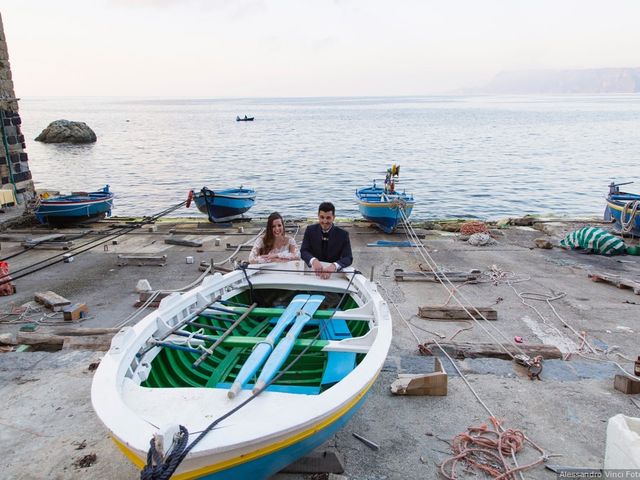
point(268, 239)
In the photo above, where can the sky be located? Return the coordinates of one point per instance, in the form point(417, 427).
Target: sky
point(304, 48)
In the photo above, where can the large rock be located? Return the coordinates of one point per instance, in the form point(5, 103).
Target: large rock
point(65, 131)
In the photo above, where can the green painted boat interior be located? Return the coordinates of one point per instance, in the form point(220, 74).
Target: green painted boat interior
point(173, 368)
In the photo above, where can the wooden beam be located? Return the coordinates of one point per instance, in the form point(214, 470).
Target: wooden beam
point(51, 300)
point(181, 242)
point(470, 277)
point(434, 383)
point(626, 384)
point(491, 350)
point(451, 312)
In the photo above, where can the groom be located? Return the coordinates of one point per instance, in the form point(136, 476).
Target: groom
point(325, 247)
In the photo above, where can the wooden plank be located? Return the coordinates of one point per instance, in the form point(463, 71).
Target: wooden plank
point(626, 384)
point(243, 248)
point(48, 245)
point(140, 260)
point(471, 276)
point(45, 340)
point(182, 242)
point(451, 312)
point(100, 343)
point(433, 384)
point(51, 300)
point(45, 238)
point(317, 462)
point(144, 296)
point(197, 231)
point(491, 350)
point(216, 268)
point(616, 280)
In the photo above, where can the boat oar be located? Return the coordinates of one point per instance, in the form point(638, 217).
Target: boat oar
point(263, 349)
point(209, 351)
point(282, 350)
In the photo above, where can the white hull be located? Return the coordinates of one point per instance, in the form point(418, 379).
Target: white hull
point(270, 423)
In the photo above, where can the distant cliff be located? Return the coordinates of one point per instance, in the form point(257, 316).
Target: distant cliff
point(599, 80)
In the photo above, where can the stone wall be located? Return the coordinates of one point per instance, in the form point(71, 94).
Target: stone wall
point(14, 164)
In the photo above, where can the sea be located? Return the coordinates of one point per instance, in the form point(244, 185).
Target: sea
point(483, 157)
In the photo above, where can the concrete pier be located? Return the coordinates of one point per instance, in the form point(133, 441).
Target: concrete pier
point(47, 425)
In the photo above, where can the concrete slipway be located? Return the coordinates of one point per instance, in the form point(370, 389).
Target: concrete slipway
point(47, 424)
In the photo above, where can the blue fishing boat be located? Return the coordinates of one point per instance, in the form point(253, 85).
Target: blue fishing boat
point(385, 206)
point(224, 205)
point(622, 208)
point(73, 208)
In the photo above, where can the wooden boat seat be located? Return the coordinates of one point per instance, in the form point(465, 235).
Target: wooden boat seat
point(339, 364)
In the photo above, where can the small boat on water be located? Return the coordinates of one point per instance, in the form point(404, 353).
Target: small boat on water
point(224, 205)
point(73, 208)
point(263, 365)
point(245, 119)
point(385, 206)
point(623, 209)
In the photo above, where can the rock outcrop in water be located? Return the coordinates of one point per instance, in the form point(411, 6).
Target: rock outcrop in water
point(586, 81)
point(65, 131)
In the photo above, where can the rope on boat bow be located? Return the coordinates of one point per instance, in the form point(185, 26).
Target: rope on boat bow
point(159, 467)
point(632, 207)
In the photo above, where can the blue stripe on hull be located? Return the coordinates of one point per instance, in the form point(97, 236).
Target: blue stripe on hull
point(264, 467)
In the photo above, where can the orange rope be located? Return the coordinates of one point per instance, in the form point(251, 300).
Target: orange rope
point(488, 449)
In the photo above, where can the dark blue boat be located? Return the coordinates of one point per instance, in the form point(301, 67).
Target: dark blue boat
point(224, 205)
point(622, 209)
point(73, 208)
point(385, 206)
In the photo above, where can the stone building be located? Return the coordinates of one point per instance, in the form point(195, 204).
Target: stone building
point(14, 165)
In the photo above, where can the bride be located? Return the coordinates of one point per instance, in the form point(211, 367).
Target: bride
point(275, 245)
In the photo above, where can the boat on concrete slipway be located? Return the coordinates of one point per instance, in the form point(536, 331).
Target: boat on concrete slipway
point(76, 207)
point(385, 206)
point(622, 209)
point(224, 205)
point(266, 363)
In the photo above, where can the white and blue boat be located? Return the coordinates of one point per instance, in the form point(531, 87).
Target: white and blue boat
point(224, 205)
point(623, 209)
point(385, 206)
point(259, 386)
point(73, 208)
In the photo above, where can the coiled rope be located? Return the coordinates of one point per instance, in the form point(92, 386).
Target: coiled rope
point(632, 207)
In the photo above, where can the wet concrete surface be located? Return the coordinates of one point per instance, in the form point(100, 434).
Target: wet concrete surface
point(47, 412)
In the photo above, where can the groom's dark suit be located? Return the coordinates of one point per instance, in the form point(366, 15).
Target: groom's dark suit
point(333, 246)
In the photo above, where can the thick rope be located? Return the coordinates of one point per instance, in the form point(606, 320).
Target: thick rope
point(627, 225)
point(159, 468)
point(451, 289)
point(485, 449)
